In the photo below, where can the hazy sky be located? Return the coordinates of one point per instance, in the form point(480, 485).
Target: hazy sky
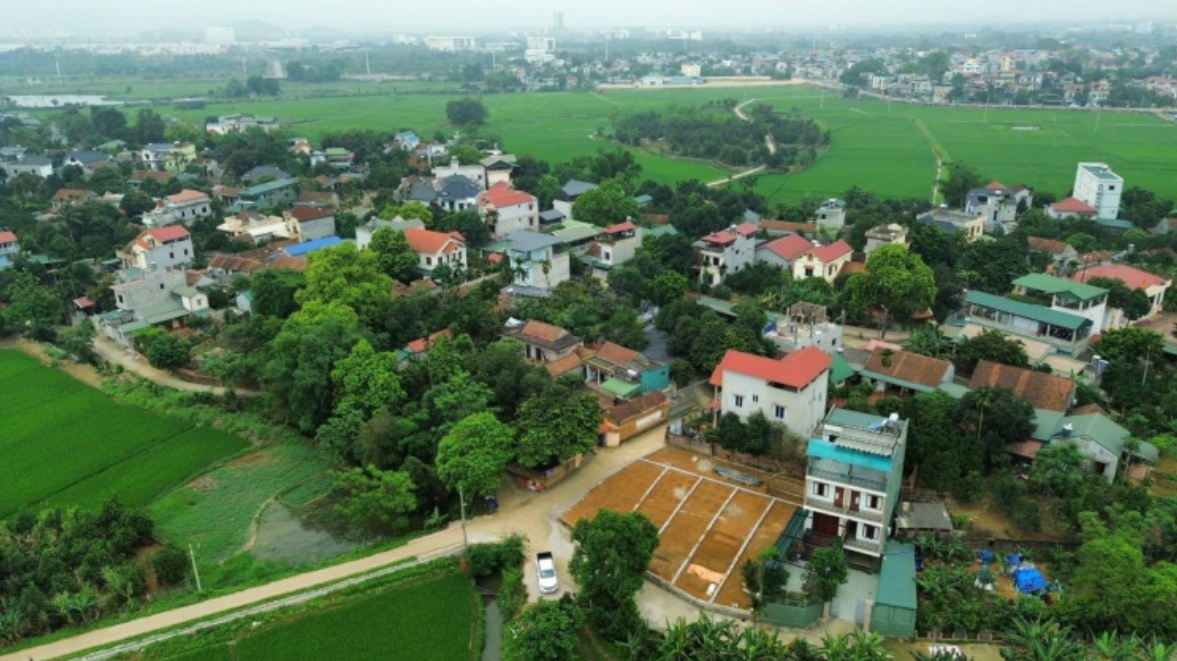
point(130, 16)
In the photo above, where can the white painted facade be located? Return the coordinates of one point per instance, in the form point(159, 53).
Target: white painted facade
point(798, 410)
point(1097, 185)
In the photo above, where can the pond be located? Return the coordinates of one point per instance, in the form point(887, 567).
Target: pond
point(287, 538)
point(60, 100)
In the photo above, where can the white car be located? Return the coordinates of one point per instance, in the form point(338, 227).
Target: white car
point(545, 568)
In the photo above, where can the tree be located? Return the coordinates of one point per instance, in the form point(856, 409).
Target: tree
point(33, 308)
point(79, 341)
point(961, 179)
point(613, 552)
point(467, 111)
point(149, 126)
point(274, 292)
point(607, 204)
point(396, 257)
point(557, 424)
point(544, 631)
point(474, 455)
point(545, 190)
point(170, 563)
point(370, 494)
point(928, 341)
point(827, 571)
point(1130, 345)
point(896, 282)
point(163, 350)
point(367, 380)
point(992, 346)
point(996, 417)
point(1134, 302)
point(345, 275)
point(668, 287)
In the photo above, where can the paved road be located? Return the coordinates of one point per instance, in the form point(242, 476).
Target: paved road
point(131, 361)
point(533, 514)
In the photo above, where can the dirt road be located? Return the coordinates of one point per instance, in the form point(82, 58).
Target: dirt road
point(131, 361)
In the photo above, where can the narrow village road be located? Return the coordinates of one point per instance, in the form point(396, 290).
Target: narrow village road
point(536, 515)
point(131, 361)
point(769, 143)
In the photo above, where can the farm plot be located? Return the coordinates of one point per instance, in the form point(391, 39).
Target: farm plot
point(67, 444)
point(708, 525)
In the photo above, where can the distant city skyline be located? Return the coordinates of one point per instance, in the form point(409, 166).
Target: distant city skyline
point(124, 17)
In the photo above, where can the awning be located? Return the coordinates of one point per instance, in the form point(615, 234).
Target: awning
point(621, 388)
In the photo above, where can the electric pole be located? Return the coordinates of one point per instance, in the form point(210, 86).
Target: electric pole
point(195, 569)
point(462, 506)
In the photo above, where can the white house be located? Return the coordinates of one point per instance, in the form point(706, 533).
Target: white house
point(436, 248)
point(832, 214)
point(162, 247)
point(511, 210)
point(183, 207)
point(783, 252)
point(823, 261)
point(1098, 186)
point(1153, 285)
point(1072, 207)
point(616, 245)
point(893, 234)
point(539, 261)
point(791, 391)
point(20, 163)
point(727, 251)
point(1071, 297)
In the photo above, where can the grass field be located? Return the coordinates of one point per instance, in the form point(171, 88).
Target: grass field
point(65, 443)
point(431, 618)
point(876, 145)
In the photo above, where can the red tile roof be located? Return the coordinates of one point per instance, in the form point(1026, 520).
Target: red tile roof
point(910, 367)
point(836, 250)
point(169, 233)
point(627, 226)
point(305, 214)
point(73, 194)
point(421, 344)
point(788, 226)
point(796, 370)
point(790, 247)
point(722, 237)
point(995, 185)
point(186, 195)
point(542, 331)
point(1133, 277)
point(1073, 205)
point(747, 229)
point(430, 242)
point(501, 195)
point(1042, 391)
point(617, 354)
point(1048, 245)
point(563, 366)
point(7, 237)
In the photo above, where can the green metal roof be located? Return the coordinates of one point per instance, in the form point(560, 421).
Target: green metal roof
point(1052, 285)
point(1029, 311)
point(661, 230)
point(840, 370)
point(1046, 422)
point(955, 390)
point(268, 187)
point(897, 576)
point(1114, 223)
point(574, 231)
point(848, 418)
point(621, 388)
point(1100, 429)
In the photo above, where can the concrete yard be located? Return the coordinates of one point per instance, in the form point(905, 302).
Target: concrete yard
point(709, 525)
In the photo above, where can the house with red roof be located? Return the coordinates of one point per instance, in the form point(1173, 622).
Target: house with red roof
point(727, 251)
point(823, 261)
point(9, 248)
point(1153, 285)
point(161, 247)
point(614, 246)
point(436, 248)
point(67, 196)
point(508, 209)
point(791, 391)
point(310, 223)
point(782, 252)
point(1071, 208)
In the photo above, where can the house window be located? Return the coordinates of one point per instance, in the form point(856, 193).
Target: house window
point(161, 285)
point(120, 298)
point(755, 398)
point(870, 533)
point(428, 261)
point(778, 412)
point(185, 252)
point(739, 401)
point(171, 255)
point(820, 490)
point(873, 503)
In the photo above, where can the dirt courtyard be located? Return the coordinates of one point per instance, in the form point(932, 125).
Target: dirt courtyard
point(709, 525)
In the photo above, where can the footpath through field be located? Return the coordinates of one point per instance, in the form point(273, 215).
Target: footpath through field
point(769, 142)
point(112, 352)
point(533, 514)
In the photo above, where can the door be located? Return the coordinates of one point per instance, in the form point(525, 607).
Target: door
point(855, 498)
point(839, 497)
point(825, 524)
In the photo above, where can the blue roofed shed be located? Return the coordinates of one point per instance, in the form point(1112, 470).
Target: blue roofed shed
point(303, 249)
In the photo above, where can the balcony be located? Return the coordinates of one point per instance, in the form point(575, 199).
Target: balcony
point(828, 507)
point(863, 546)
point(855, 476)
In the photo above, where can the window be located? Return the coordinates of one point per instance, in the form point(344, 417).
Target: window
point(873, 502)
point(820, 490)
point(739, 401)
point(755, 398)
point(171, 255)
point(185, 252)
point(428, 261)
point(778, 412)
point(161, 285)
point(869, 532)
point(120, 298)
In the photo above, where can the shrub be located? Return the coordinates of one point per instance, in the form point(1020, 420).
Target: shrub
point(170, 564)
point(513, 594)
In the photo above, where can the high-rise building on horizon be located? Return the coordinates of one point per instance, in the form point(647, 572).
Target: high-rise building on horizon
point(558, 23)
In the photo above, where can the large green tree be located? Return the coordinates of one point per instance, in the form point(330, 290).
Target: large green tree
point(896, 282)
point(996, 418)
point(1134, 302)
point(345, 275)
point(474, 455)
point(992, 346)
point(467, 111)
point(557, 424)
point(368, 379)
point(544, 631)
point(607, 204)
point(274, 292)
point(33, 309)
point(370, 496)
point(396, 257)
point(613, 552)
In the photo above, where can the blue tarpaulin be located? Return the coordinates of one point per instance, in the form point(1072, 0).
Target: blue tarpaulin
point(1029, 581)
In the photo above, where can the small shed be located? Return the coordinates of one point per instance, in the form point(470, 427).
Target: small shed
point(915, 518)
point(895, 607)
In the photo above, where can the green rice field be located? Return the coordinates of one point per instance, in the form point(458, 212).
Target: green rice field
point(65, 443)
point(431, 618)
point(876, 145)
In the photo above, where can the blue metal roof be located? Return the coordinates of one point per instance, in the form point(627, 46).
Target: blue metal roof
point(311, 246)
point(820, 449)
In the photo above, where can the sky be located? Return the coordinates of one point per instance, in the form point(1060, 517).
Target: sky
point(473, 16)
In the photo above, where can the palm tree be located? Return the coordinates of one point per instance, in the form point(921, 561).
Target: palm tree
point(1110, 646)
point(928, 341)
point(546, 267)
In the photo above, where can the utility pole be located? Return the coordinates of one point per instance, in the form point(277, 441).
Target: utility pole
point(195, 569)
point(462, 505)
point(367, 62)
